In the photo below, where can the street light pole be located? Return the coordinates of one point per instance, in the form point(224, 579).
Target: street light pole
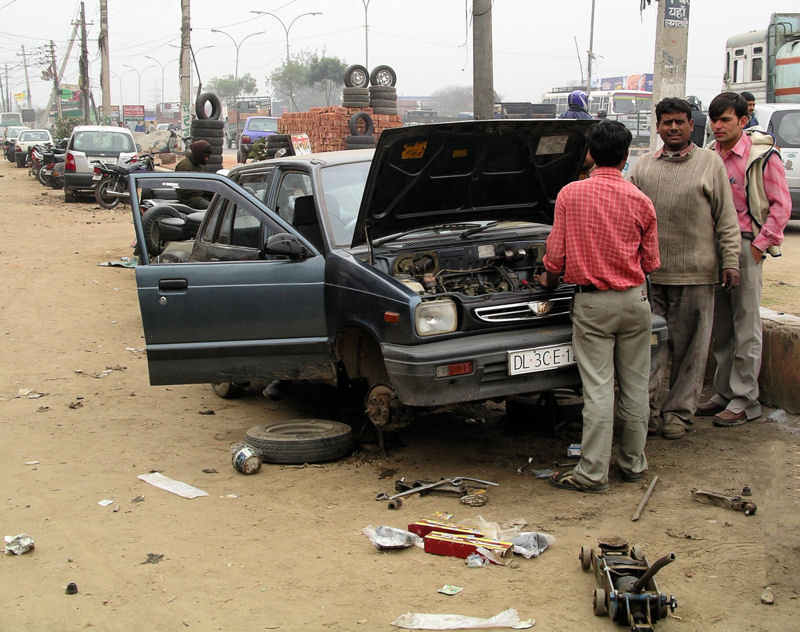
point(160, 65)
point(237, 47)
point(286, 29)
point(193, 61)
point(139, 74)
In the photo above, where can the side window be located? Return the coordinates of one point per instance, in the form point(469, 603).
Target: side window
point(292, 186)
point(211, 224)
point(257, 183)
point(224, 234)
point(246, 230)
point(756, 72)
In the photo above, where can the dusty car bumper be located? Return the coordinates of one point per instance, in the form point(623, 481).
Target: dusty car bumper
point(412, 369)
point(78, 181)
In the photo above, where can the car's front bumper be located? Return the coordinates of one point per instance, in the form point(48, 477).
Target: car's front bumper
point(412, 369)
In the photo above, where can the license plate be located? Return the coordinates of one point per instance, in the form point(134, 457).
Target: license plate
point(97, 177)
point(540, 359)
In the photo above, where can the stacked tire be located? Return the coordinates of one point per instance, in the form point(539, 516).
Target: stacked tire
point(383, 99)
point(208, 127)
point(360, 139)
point(356, 98)
point(277, 142)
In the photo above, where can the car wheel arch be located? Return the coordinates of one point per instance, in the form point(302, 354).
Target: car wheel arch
point(359, 352)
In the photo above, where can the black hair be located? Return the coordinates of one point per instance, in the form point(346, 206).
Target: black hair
point(609, 142)
point(748, 96)
point(724, 102)
point(671, 105)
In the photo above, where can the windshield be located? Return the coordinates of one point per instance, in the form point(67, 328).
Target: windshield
point(263, 125)
point(624, 104)
point(13, 132)
point(786, 127)
point(93, 140)
point(342, 188)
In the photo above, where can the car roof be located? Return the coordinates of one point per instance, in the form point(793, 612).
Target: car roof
point(35, 130)
point(101, 128)
point(323, 157)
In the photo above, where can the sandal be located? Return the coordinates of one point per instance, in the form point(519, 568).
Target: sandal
point(567, 481)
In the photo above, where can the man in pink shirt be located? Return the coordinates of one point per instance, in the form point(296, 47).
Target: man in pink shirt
point(604, 240)
point(763, 206)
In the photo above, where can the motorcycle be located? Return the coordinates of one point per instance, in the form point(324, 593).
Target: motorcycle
point(51, 171)
point(111, 181)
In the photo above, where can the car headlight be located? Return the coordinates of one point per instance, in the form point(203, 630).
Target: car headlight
point(435, 317)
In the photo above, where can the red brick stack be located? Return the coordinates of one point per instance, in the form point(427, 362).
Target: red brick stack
point(327, 127)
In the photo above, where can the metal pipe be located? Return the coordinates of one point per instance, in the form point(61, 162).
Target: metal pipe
point(648, 575)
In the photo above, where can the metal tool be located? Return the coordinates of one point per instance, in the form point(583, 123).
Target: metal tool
point(402, 485)
point(524, 465)
point(734, 503)
point(395, 501)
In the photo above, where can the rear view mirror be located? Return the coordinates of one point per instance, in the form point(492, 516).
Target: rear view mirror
point(285, 244)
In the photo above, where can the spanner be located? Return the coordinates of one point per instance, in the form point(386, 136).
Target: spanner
point(416, 490)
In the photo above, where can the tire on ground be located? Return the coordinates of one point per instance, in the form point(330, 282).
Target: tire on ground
point(211, 99)
point(301, 441)
point(360, 140)
point(356, 76)
point(383, 76)
point(368, 124)
point(150, 225)
point(228, 390)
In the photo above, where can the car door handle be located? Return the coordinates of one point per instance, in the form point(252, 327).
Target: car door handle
point(173, 284)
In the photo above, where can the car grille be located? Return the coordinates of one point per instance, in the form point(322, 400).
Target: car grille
point(524, 311)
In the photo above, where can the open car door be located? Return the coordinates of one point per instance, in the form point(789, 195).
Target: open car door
point(233, 310)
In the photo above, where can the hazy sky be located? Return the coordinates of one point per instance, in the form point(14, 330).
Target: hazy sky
point(427, 42)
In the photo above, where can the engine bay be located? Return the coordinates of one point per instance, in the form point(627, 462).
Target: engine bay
point(475, 269)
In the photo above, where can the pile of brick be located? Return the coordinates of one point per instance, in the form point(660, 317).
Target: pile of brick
point(327, 127)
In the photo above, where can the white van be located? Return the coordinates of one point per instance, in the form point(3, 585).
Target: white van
point(782, 120)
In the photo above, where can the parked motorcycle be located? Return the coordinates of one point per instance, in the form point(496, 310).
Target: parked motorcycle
point(111, 181)
point(51, 169)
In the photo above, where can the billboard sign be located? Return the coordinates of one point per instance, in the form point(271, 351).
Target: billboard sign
point(132, 112)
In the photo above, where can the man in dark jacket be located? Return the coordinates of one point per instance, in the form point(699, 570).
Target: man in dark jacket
point(197, 159)
point(700, 132)
point(578, 104)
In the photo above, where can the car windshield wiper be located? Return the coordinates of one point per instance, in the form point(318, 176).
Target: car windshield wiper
point(478, 229)
point(437, 228)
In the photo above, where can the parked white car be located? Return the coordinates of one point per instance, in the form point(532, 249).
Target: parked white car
point(782, 120)
point(90, 144)
point(27, 139)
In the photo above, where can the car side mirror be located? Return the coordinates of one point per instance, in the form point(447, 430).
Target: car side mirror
point(286, 245)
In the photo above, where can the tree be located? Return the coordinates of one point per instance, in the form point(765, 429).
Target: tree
point(325, 73)
point(228, 87)
point(287, 80)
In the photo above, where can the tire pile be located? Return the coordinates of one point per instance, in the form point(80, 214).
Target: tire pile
point(277, 142)
point(208, 126)
point(381, 96)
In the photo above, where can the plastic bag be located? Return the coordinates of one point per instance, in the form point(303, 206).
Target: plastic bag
point(416, 621)
point(530, 544)
point(388, 538)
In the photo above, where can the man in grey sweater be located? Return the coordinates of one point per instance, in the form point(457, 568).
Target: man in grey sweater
point(697, 235)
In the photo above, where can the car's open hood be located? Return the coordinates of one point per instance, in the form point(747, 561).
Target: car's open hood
point(468, 171)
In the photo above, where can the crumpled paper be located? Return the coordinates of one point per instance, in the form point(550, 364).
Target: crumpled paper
point(417, 621)
point(387, 538)
point(18, 544)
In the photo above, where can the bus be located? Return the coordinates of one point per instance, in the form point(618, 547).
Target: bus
point(633, 108)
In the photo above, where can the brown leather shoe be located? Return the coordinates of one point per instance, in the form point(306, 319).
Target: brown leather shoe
point(726, 419)
point(709, 409)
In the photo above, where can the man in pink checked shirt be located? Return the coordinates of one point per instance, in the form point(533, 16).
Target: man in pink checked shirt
point(763, 206)
point(604, 240)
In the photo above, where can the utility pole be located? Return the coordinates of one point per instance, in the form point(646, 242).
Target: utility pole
point(60, 75)
point(3, 97)
point(56, 87)
point(83, 67)
point(672, 41)
point(105, 63)
point(591, 54)
point(185, 67)
point(482, 63)
point(27, 79)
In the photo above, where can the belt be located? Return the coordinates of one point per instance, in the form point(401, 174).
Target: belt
point(587, 288)
point(749, 236)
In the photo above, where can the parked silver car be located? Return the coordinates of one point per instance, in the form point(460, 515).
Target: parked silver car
point(89, 144)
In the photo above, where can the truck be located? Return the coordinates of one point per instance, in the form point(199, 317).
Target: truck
point(766, 62)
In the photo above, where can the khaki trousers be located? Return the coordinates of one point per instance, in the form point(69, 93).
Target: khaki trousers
point(611, 335)
point(689, 312)
point(737, 339)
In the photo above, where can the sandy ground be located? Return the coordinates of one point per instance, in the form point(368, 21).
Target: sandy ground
point(282, 549)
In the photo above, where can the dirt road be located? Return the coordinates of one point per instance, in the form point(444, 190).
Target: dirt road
point(282, 549)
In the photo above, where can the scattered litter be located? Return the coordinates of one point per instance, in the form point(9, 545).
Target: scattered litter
point(449, 589)
point(231, 496)
point(245, 459)
point(543, 473)
point(746, 491)
point(29, 393)
point(389, 538)
point(153, 558)
point(71, 589)
point(524, 465)
point(31, 462)
point(779, 416)
point(18, 544)
point(417, 621)
point(206, 412)
point(133, 350)
point(574, 449)
point(530, 544)
point(209, 470)
point(767, 597)
point(102, 374)
point(122, 262)
point(476, 561)
point(138, 499)
point(474, 500)
point(78, 371)
point(674, 533)
point(157, 479)
point(105, 503)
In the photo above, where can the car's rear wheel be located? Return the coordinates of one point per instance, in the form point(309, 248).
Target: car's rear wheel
point(228, 390)
point(301, 441)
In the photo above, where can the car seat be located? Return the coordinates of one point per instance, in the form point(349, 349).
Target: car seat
point(305, 220)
